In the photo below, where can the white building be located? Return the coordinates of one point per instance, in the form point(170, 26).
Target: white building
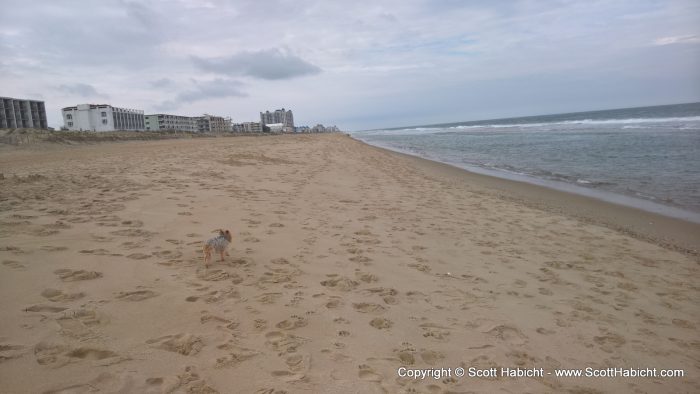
point(247, 127)
point(102, 117)
point(18, 114)
point(171, 122)
point(275, 127)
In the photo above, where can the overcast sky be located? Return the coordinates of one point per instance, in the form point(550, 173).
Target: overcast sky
point(358, 64)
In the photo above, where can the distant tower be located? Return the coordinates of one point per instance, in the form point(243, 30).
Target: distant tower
point(286, 118)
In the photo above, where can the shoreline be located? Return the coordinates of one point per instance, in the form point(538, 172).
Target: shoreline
point(667, 231)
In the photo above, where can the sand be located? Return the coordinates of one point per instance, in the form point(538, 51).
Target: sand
point(348, 262)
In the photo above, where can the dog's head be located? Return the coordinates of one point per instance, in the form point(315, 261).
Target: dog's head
point(224, 233)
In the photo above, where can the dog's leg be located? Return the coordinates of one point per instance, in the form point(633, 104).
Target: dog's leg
point(207, 255)
point(222, 255)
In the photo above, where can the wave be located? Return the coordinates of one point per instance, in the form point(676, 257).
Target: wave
point(488, 126)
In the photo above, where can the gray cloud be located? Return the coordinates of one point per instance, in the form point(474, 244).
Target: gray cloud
point(162, 83)
point(373, 63)
point(268, 64)
point(80, 89)
point(203, 90)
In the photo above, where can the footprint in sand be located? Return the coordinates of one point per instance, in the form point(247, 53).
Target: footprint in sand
point(298, 362)
point(507, 334)
point(45, 308)
point(292, 323)
point(431, 357)
point(185, 343)
point(381, 323)
point(212, 275)
point(14, 264)
point(136, 295)
point(58, 295)
point(47, 353)
point(74, 327)
point(609, 342)
point(139, 256)
point(335, 302)
point(234, 358)
point(268, 298)
point(217, 296)
point(367, 373)
point(143, 234)
point(88, 353)
point(9, 352)
point(51, 248)
point(406, 355)
point(368, 307)
point(69, 275)
point(283, 342)
point(341, 283)
point(228, 324)
point(683, 323)
point(167, 254)
point(366, 277)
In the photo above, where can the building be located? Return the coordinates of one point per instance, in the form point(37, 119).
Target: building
point(213, 124)
point(319, 128)
point(22, 114)
point(102, 117)
point(275, 127)
point(247, 127)
point(286, 118)
point(171, 122)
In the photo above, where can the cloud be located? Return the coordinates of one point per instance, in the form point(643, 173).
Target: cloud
point(162, 83)
point(689, 39)
point(268, 64)
point(80, 89)
point(203, 90)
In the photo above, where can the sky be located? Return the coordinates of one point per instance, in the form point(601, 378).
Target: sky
point(356, 64)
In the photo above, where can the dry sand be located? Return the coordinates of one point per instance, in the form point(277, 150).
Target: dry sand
point(347, 263)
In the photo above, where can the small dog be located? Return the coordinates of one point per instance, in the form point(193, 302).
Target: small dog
point(218, 244)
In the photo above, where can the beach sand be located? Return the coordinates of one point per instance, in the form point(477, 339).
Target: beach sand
point(347, 263)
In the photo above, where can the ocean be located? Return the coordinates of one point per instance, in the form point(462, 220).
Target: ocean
point(646, 157)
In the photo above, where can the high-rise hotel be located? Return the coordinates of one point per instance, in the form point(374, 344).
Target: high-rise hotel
point(18, 114)
point(280, 116)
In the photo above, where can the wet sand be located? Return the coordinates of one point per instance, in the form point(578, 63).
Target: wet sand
point(347, 263)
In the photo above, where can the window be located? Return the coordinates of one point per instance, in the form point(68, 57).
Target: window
point(69, 116)
point(70, 124)
point(104, 121)
point(104, 114)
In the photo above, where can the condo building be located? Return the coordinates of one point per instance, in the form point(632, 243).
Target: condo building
point(213, 124)
point(247, 127)
point(171, 122)
point(18, 113)
point(286, 118)
point(102, 117)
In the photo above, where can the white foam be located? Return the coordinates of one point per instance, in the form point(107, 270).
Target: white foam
point(627, 122)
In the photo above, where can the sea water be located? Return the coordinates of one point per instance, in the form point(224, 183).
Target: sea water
point(645, 157)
